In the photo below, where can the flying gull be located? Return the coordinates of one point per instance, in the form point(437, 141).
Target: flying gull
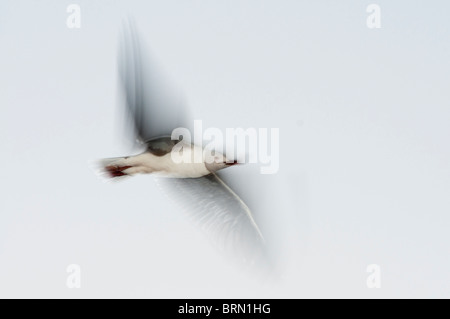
point(196, 187)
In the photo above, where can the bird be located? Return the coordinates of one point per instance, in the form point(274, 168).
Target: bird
point(196, 186)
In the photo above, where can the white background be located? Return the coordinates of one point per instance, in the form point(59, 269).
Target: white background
point(364, 155)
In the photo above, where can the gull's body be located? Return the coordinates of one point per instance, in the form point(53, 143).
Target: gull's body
point(159, 161)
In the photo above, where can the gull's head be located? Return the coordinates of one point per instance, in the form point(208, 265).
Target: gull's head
point(218, 162)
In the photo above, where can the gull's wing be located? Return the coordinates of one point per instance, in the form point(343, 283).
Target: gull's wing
point(153, 106)
point(221, 214)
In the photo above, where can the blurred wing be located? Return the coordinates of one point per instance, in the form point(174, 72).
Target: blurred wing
point(220, 213)
point(152, 105)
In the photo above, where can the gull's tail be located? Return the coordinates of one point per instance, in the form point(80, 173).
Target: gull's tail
point(114, 167)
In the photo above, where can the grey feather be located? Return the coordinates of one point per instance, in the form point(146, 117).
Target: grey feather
point(153, 105)
point(161, 146)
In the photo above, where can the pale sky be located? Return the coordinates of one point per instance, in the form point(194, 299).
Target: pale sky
point(364, 172)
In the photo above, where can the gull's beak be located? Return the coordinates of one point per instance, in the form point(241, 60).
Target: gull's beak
point(232, 163)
